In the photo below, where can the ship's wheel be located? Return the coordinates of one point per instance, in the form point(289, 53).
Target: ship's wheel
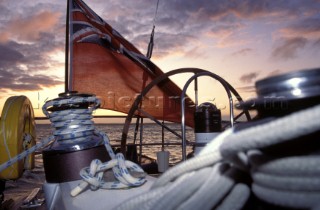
point(197, 73)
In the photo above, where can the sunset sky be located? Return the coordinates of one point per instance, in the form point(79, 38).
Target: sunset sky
point(242, 41)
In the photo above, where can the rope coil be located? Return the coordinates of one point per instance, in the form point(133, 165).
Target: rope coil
point(289, 180)
point(71, 125)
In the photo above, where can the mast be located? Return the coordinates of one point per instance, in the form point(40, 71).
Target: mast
point(68, 49)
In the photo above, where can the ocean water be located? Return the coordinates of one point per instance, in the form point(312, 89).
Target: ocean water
point(152, 133)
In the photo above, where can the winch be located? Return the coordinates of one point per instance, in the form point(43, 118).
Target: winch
point(81, 157)
point(284, 94)
point(76, 144)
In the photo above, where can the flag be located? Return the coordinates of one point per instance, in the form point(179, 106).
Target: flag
point(104, 63)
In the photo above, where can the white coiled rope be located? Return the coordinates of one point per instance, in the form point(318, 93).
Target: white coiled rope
point(74, 126)
point(221, 170)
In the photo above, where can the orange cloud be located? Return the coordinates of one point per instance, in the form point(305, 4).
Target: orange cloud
point(308, 28)
point(227, 35)
point(4, 37)
point(249, 78)
point(289, 48)
point(30, 28)
point(242, 52)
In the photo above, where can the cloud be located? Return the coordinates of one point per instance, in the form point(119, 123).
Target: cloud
point(316, 45)
point(167, 43)
point(204, 10)
point(19, 80)
point(275, 72)
point(221, 21)
point(25, 67)
point(34, 56)
point(9, 56)
point(289, 48)
point(223, 30)
point(306, 26)
point(247, 89)
point(242, 52)
point(297, 35)
point(224, 20)
point(29, 28)
point(248, 78)
point(31, 32)
point(29, 36)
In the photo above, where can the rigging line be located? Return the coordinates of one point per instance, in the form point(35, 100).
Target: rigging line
point(149, 54)
point(150, 45)
point(155, 14)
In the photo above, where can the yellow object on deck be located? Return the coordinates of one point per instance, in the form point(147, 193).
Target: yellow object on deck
point(17, 133)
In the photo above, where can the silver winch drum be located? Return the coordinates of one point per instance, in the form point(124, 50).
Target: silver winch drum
point(284, 94)
point(62, 162)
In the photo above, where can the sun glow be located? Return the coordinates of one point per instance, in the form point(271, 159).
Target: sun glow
point(58, 56)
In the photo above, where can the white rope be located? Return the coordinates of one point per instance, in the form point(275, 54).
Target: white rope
point(72, 126)
point(233, 147)
point(27, 152)
point(236, 198)
point(75, 126)
point(208, 156)
point(93, 175)
point(278, 131)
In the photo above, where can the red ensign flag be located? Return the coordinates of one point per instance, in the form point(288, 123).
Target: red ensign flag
point(107, 65)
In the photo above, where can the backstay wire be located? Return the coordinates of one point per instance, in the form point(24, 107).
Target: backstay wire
point(139, 120)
